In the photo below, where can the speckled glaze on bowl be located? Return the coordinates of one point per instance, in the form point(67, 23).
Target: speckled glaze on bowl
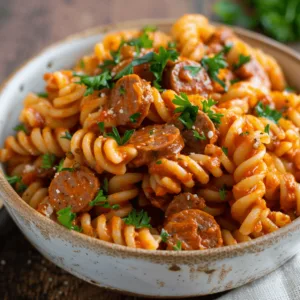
point(139, 272)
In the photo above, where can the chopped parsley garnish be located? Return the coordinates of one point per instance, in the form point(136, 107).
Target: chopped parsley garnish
point(82, 64)
point(21, 127)
point(101, 127)
point(100, 199)
point(116, 136)
point(94, 83)
point(267, 129)
point(197, 135)
point(143, 41)
point(13, 179)
point(290, 89)
point(172, 45)
point(66, 217)
point(151, 132)
point(206, 107)
point(42, 95)
point(244, 133)
point(164, 235)
point(150, 28)
point(266, 112)
point(67, 136)
point(157, 61)
point(138, 219)
point(222, 193)
point(213, 65)
point(159, 162)
point(194, 70)
point(233, 81)
point(177, 247)
point(227, 48)
point(225, 150)
point(21, 187)
point(243, 59)
point(133, 118)
point(122, 90)
point(48, 160)
point(188, 111)
point(60, 168)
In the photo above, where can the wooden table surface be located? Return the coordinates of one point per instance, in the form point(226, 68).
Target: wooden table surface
point(26, 27)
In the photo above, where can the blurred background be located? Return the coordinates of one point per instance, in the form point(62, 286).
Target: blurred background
point(27, 26)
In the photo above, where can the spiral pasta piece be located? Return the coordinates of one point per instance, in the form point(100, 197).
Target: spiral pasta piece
point(40, 141)
point(101, 153)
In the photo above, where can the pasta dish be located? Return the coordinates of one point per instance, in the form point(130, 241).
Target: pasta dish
point(180, 141)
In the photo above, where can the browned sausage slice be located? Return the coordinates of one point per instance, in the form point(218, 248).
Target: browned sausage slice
point(155, 141)
point(182, 80)
point(184, 201)
point(194, 229)
point(75, 189)
point(131, 95)
point(207, 132)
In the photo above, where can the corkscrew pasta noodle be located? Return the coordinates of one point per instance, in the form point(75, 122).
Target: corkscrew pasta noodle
point(181, 141)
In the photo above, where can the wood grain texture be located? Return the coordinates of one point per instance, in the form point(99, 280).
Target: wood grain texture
point(26, 27)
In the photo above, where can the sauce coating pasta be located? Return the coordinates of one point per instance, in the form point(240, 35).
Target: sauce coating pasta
point(180, 141)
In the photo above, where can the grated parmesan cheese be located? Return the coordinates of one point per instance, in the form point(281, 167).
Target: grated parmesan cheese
point(210, 134)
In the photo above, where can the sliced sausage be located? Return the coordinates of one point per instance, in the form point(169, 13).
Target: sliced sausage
point(182, 80)
point(184, 201)
point(154, 141)
point(75, 189)
point(194, 229)
point(131, 95)
point(205, 127)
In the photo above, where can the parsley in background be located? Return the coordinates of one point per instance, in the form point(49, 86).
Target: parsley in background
point(277, 18)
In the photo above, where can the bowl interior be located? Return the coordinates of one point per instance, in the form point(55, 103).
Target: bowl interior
point(64, 54)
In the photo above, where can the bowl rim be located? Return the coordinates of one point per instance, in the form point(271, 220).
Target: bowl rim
point(11, 198)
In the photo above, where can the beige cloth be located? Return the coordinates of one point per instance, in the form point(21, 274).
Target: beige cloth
point(282, 284)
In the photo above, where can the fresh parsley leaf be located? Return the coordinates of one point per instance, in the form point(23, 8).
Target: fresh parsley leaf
point(100, 199)
point(42, 95)
point(222, 193)
point(138, 219)
point(206, 107)
point(267, 129)
point(243, 59)
point(198, 136)
point(101, 127)
point(225, 150)
point(266, 112)
point(227, 48)
point(213, 65)
point(22, 187)
point(233, 81)
point(159, 162)
point(164, 235)
point(67, 136)
point(94, 83)
point(13, 179)
point(143, 41)
point(66, 217)
point(244, 133)
point(188, 111)
point(151, 132)
point(59, 168)
point(122, 90)
point(150, 28)
point(48, 160)
point(290, 89)
point(172, 44)
point(21, 127)
point(116, 136)
point(158, 62)
point(115, 206)
point(177, 247)
point(133, 118)
point(194, 70)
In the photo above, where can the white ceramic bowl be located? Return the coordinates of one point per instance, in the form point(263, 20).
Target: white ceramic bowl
point(141, 272)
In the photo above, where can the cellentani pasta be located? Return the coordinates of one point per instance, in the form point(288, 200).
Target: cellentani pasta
point(180, 141)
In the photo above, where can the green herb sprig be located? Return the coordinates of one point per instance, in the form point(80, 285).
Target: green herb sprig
point(206, 107)
point(266, 111)
point(66, 217)
point(138, 219)
point(116, 136)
